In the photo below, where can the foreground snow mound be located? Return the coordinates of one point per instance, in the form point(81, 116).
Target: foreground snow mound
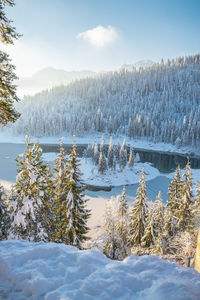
point(53, 271)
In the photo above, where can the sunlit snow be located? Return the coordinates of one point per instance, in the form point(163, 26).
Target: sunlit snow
point(51, 271)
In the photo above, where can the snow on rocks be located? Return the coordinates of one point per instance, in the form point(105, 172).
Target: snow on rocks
point(52, 271)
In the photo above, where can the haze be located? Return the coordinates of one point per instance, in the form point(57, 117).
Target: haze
point(101, 35)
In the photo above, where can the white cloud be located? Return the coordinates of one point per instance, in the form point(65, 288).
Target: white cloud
point(99, 36)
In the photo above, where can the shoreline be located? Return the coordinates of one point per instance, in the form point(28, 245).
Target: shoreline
point(137, 143)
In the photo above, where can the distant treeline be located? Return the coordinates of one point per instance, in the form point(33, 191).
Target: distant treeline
point(161, 103)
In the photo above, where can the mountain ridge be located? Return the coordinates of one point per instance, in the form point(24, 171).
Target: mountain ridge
point(50, 77)
point(160, 103)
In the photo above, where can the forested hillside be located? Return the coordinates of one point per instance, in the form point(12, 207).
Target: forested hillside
point(161, 103)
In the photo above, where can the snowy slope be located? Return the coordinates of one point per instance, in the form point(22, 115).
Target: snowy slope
point(159, 103)
point(48, 78)
point(38, 271)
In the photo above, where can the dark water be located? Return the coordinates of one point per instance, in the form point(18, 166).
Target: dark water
point(167, 162)
point(164, 162)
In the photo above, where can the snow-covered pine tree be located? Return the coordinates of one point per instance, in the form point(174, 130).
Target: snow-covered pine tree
point(137, 157)
point(112, 241)
point(130, 128)
point(123, 225)
point(102, 146)
point(77, 214)
point(184, 211)
point(4, 215)
point(123, 155)
point(170, 223)
point(178, 142)
point(148, 238)
point(198, 191)
point(130, 160)
point(11, 203)
point(110, 125)
point(160, 245)
point(88, 152)
point(60, 184)
point(30, 210)
point(138, 213)
point(123, 204)
point(175, 191)
point(8, 94)
point(110, 154)
point(114, 162)
point(196, 206)
point(96, 153)
point(158, 214)
point(117, 150)
point(102, 165)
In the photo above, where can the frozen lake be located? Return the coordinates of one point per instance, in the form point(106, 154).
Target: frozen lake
point(164, 162)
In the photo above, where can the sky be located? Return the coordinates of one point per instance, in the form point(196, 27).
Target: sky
point(101, 34)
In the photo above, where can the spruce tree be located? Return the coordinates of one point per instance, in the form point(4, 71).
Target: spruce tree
point(117, 150)
point(30, 209)
point(175, 191)
point(158, 214)
point(77, 214)
point(184, 211)
point(112, 241)
point(96, 153)
point(196, 206)
point(158, 217)
point(123, 155)
point(159, 246)
point(114, 162)
point(89, 151)
point(110, 154)
point(123, 225)
point(148, 238)
point(130, 128)
point(123, 204)
point(4, 215)
point(130, 160)
point(102, 165)
point(102, 146)
point(139, 213)
point(137, 158)
point(60, 184)
point(170, 223)
point(7, 76)
point(198, 191)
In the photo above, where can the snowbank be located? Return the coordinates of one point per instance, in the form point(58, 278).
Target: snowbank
point(55, 271)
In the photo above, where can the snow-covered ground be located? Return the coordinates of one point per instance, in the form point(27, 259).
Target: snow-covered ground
point(50, 271)
point(110, 178)
point(7, 137)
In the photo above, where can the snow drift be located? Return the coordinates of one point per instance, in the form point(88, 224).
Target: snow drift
point(55, 271)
